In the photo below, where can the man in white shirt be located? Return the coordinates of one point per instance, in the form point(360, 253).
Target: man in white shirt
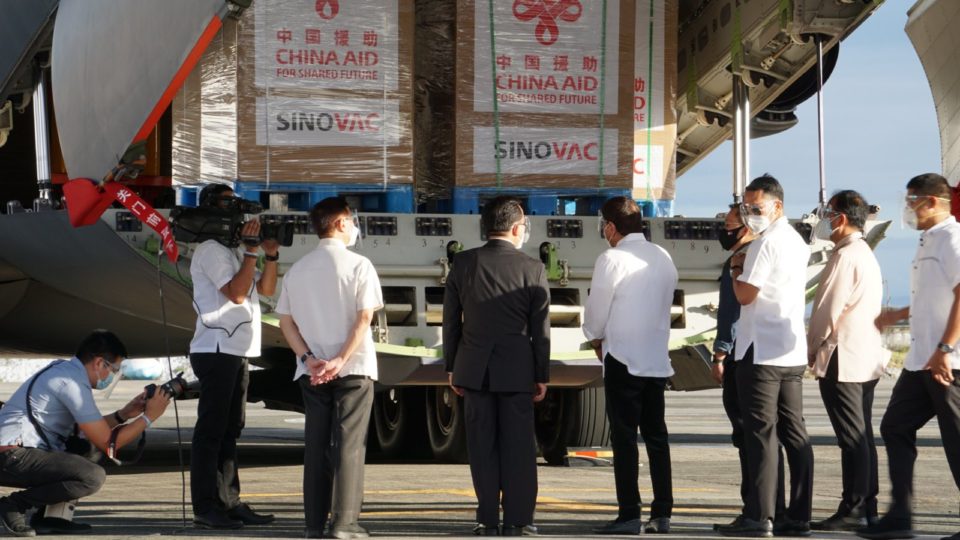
point(327, 302)
point(627, 320)
point(225, 296)
point(844, 351)
point(769, 282)
point(929, 385)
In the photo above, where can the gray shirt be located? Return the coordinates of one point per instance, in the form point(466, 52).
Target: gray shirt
point(60, 398)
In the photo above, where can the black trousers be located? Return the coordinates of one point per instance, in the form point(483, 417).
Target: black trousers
point(915, 400)
point(221, 413)
point(850, 409)
point(735, 376)
point(632, 403)
point(502, 450)
point(773, 412)
point(335, 445)
point(49, 477)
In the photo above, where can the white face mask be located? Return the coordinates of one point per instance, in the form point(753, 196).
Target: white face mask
point(526, 233)
point(908, 219)
point(354, 235)
point(757, 224)
point(824, 228)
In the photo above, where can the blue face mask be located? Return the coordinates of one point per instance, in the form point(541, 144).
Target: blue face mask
point(103, 384)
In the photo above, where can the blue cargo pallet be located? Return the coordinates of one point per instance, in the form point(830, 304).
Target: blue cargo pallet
point(369, 197)
point(538, 201)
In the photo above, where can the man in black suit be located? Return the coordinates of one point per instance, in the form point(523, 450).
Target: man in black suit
point(496, 342)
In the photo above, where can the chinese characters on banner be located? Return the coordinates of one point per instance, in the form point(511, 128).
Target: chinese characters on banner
point(319, 122)
point(574, 151)
point(145, 213)
point(549, 56)
point(327, 44)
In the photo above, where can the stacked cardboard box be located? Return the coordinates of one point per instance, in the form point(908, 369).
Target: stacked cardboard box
point(302, 92)
point(565, 71)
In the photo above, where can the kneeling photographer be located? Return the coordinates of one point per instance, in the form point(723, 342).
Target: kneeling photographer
point(40, 423)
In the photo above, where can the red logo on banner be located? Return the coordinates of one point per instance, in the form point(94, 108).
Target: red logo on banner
point(328, 9)
point(547, 11)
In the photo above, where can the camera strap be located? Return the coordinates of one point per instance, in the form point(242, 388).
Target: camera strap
point(30, 415)
point(76, 429)
point(112, 448)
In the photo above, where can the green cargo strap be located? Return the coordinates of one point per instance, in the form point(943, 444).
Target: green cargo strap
point(603, 87)
point(496, 106)
point(649, 98)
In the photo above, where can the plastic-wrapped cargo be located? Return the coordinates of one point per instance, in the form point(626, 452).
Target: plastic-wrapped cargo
point(300, 95)
point(537, 82)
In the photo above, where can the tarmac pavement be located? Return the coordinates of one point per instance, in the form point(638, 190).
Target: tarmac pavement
point(422, 499)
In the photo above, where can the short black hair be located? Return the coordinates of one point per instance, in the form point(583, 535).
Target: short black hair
point(853, 205)
point(101, 343)
point(768, 185)
point(500, 214)
point(930, 185)
point(624, 213)
point(325, 214)
point(210, 193)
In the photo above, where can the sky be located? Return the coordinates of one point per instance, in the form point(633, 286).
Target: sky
point(880, 130)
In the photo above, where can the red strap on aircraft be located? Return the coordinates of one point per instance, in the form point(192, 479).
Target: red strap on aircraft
point(86, 203)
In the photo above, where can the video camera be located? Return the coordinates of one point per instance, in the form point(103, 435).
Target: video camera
point(176, 387)
point(223, 222)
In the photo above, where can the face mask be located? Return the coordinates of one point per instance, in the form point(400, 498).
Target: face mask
point(823, 229)
point(909, 217)
point(526, 233)
point(757, 224)
point(729, 238)
point(354, 235)
point(103, 384)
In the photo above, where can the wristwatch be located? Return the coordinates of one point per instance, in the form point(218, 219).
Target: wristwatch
point(304, 356)
point(943, 347)
point(272, 258)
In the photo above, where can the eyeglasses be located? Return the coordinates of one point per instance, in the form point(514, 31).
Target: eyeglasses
point(753, 209)
point(113, 367)
point(825, 212)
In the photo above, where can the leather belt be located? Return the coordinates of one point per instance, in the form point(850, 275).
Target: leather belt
point(9, 447)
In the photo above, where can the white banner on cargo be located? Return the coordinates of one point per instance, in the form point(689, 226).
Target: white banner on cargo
point(285, 121)
point(550, 56)
point(649, 82)
point(574, 151)
point(648, 166)
point(330, 44)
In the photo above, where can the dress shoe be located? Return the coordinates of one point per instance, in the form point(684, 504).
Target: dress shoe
point(13, 519)
point(511, 530)
point(482, 530)
point(750, 528)
point(660, 525)
point(735, 523)
point(628, 526)
point(790, 527)
point(954, 537)
point(244, 513)
point(215, 519)
point(313, 533)
point(351, 530)
point(887, 529)
point(839, 522)
point(52, 525)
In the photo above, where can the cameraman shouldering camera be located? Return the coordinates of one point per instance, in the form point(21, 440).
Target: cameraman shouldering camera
point(226, 285)
point(40, 417)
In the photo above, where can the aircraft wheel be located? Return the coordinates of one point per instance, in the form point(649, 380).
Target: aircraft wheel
point(446, 424)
